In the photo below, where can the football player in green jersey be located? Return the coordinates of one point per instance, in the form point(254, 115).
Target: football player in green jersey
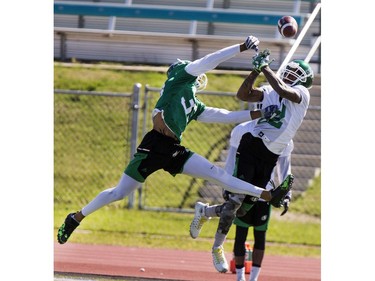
point(161, 148)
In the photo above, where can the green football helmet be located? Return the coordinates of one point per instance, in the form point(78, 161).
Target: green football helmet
point(174, 66)
point(297, 72)
point(201, 81)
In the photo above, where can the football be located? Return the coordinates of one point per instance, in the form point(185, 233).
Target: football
point(287, 26)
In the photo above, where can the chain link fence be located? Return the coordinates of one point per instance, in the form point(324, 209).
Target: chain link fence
point(96, 135)
point(161, 190)
point(92, 142)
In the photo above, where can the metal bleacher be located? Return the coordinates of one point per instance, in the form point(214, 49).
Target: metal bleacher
point(132, 32)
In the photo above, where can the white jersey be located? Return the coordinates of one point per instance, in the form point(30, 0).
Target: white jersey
point(245, 127)
point(283, 166)
point(277, 132)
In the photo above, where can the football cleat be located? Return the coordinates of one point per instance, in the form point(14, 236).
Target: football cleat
point(66, 229)
point(199, 219)
point(219, 260)
point(281, 191)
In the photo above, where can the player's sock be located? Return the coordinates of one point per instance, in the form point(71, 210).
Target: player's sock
point(211, 211)
point(240, 272)
point(254, 274)
point(219, 239)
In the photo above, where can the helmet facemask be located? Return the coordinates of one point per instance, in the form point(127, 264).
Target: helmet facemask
point(297, 72)
point(201, 82)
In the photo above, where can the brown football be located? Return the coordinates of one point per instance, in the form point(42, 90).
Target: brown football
point(287, 26)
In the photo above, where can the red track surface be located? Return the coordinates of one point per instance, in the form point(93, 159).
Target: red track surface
point(171, 264)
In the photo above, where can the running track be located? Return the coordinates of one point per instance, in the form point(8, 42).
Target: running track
point(163, 264)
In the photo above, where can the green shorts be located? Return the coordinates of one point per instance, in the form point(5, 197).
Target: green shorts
point(257, 215)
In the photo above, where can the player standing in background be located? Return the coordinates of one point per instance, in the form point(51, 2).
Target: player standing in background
point(257, 215)
point(261, 147)
point(161, 148)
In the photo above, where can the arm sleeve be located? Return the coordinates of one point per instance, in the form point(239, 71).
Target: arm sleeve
point(220, 115)
point(212, 60)
point(231, 160)
point(283, 169)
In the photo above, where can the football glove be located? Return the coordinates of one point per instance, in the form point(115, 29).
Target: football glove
point(252, 43)
point(262, 60)
point(285, 204)
point(269, 112)
point(279, 193)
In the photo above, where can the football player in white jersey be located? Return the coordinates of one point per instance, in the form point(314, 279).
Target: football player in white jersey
point(161, 148)
point(261, 147)
point(255, 214)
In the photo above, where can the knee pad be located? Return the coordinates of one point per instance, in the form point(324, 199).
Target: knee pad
point(227, 215)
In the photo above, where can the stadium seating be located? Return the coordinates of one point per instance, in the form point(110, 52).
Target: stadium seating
point(104, 35)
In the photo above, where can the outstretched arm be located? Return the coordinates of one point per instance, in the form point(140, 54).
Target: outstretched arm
point(212, 60)
point(280, 87)
point(247, 91)
point(221, 115)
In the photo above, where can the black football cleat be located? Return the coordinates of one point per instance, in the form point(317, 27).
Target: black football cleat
point(66, 229)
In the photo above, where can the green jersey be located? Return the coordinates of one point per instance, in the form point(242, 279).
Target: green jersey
point(178, 102)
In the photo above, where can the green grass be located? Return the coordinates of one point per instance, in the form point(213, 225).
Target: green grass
point(309, 202)
point(295, 234)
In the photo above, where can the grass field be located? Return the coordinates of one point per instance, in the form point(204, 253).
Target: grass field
point(295, 234)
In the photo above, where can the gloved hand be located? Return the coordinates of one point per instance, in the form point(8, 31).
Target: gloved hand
point(285, 204)
point(261, 60)
point(269, 112)
point(252, 43)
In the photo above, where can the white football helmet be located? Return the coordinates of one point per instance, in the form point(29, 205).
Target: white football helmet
point(297, 72)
